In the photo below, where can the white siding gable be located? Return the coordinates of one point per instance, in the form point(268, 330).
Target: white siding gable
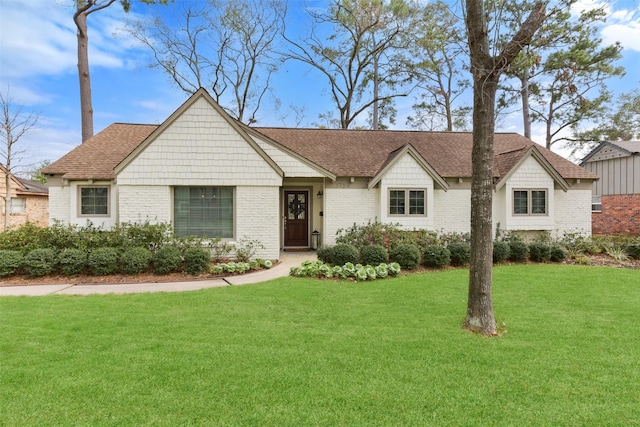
point(199, 148)
point(530, 175)
point(291, 166)
point(406, 173)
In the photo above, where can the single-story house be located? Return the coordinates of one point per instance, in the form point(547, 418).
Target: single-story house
point(29, 201)
point(616, 195)
point(210, 175)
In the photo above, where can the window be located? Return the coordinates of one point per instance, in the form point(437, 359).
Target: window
point(203, 211)
point(530, 202)
point(407, 202)
point(94, 201)
point(18, 205)
point(596, 204)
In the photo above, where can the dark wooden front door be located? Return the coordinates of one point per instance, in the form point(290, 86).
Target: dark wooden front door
point(296, 222)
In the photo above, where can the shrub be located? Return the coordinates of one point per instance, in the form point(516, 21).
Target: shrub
point(344, 253)
point(460, 253)
point(374, 255)
point(500, 251)
point(408, 256)
point(436, 256)
point(557, 253)
point(39, 262)
point(246, 249)
point(518, 251)
point(220, 249)
point(103, 261)
point(196, 260)
point(167, 260)
point(633, 250)
point(135, 260)
point(325, 254)
point(539, 252)
point(9, 262)
point(72, 261)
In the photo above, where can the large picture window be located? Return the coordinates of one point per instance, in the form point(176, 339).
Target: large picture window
point(203, 211)
point(407, 202)
point(94, 201)
point(530, 202)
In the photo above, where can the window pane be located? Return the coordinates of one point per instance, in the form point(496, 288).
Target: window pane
point(17, 205)
point(296, 206)
point(520, 202)
point(396, 202)
point(203, 211)
point(538, 202)
point(94, 201)
point(416, 202)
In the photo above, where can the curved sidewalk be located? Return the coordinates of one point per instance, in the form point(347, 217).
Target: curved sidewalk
point(287, 260)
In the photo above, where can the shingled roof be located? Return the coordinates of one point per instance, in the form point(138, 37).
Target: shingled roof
point(352, 153)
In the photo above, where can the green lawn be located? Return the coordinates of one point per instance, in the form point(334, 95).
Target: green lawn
point(300, 352)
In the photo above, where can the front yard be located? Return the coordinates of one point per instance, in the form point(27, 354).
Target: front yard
point(307, 352)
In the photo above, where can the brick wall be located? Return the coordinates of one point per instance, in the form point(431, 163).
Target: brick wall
point(620, 215)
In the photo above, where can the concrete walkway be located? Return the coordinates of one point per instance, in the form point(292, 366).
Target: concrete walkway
point(287, 260)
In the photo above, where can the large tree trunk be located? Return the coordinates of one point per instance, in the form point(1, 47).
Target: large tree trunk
point(480, 317)
point(86, 107)
point(524, 95)
point(486, 70)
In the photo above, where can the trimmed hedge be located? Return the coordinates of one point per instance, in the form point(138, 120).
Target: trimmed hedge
point(374, 255)
point(518, 251)
point(103, 261)
point(436, 256)
point(9, 262)
point(325, 254)
point(167, 260)
point(197, 260)
point(407, 255)
point(135, 260)
point(539, 252)
point(344, 253)
point(460, 253)
point(557, 253)
point(501, 251)
point(39, 262)
point(73, 262)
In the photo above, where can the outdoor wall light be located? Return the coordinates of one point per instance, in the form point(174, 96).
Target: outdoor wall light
point(320, 193)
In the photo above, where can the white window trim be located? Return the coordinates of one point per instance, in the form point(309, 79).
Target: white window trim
point(596, 204)
point(81, 215)
point(406, 202)
point(530, 202)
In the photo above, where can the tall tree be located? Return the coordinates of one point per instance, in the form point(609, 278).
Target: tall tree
point(437, 63)
point(226, 45)
point(361, 56)
point(84, 8)
point(560, 78)
point(15, 124)
point(486, 69)
point(621, 123)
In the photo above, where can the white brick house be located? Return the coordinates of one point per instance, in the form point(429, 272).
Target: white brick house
point(212, 176)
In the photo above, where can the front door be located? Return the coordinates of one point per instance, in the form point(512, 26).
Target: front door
point(296, 220)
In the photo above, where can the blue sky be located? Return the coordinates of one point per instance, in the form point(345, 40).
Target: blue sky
point(38, 66)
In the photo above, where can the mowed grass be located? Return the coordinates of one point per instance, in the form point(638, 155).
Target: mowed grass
point(301, 352)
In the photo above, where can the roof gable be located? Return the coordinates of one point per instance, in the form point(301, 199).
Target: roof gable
point(612, 150)
point(200, 94)
point(408, 150)
point(513, 160)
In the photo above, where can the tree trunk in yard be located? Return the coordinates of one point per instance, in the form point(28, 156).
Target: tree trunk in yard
point(86, 107)
point(486, 70)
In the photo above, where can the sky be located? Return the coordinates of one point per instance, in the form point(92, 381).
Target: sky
point(38, 69)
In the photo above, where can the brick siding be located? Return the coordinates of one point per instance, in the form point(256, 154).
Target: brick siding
point(620, 215)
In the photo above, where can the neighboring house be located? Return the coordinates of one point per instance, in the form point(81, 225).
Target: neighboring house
point(616, 196)
point(209, 175)
point(29, 201)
